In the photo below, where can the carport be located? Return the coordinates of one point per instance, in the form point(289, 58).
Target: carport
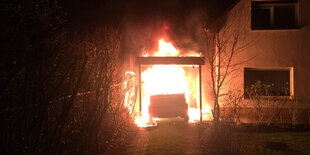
point(170, 61)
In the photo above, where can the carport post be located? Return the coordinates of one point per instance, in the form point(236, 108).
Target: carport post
point(200, 98)
point(140, 98)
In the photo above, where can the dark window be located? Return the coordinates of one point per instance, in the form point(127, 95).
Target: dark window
point(284, 16)
point(261, 17)
point(266, 82)
point(277, 14)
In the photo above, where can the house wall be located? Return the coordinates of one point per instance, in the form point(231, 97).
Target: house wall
point(285, 48)
point(278, 48)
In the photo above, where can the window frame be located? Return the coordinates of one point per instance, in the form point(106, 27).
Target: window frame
point(272, 4)
point(291, 72)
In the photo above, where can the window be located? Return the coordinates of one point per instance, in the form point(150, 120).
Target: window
point(274, 14)
point(268, 82)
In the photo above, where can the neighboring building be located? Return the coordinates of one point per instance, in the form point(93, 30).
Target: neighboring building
point(279, 55)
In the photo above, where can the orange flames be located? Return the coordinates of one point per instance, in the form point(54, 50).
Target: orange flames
point(169, 79)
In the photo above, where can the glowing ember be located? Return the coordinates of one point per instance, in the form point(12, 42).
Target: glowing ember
point(169, 79)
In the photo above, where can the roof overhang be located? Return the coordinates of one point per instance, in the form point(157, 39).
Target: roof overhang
point(170, 61)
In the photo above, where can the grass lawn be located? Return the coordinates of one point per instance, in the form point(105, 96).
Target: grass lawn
point(178, 137)
point(170, 137)
point(273, 142)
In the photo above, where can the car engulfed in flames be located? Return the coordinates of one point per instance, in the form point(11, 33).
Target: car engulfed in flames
point(168, 105)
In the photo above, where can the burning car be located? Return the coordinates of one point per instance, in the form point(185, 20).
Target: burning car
point(170, 105)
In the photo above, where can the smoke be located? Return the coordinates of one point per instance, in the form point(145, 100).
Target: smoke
point(175, 21)
point(178, 21)
point(143, 23)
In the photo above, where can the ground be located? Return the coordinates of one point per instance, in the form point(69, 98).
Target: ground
point(274, 142)
point(170, 136)
point(174, 136)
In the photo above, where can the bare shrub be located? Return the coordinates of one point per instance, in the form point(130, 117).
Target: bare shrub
point(92, 118)
point(271, 109)
point(232, 107)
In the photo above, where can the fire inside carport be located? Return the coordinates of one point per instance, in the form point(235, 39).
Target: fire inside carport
point(165, 78)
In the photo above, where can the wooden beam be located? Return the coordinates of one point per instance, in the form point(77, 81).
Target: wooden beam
point(170, 61)
point(200, 95)
point(140, 89)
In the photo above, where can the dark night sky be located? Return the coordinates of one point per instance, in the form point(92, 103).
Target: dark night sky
point(141, 22)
